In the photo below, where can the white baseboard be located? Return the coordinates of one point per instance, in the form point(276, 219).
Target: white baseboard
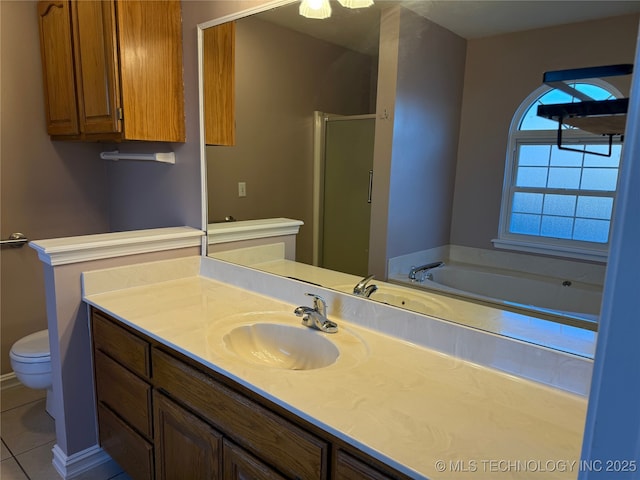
point(92, 459)
point(9, 380)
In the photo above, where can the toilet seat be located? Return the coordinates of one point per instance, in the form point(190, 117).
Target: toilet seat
point(33, 348)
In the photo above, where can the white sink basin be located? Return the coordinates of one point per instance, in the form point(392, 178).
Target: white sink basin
point(282, 346)
point(278, 340)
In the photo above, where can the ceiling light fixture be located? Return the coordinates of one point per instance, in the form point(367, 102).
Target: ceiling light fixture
point(355, 3)
point(318, 9)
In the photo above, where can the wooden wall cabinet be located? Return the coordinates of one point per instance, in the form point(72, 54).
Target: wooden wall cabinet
point(163, 416)
point(112, 70)
point(218, 73)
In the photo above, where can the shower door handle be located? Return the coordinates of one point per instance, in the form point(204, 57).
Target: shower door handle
point(370, 186)
point(15, 240)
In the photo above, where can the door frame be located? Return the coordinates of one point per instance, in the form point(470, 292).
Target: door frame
point(319, 132)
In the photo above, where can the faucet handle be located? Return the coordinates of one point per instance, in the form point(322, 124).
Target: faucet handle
point(362, 289)
point(361, 284)
point(316, 318)
point(367, 279)
point(319, 303)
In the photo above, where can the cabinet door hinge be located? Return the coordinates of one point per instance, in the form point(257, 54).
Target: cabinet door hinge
point(119, 113)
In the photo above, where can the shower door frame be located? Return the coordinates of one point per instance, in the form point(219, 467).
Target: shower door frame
point(319, 134)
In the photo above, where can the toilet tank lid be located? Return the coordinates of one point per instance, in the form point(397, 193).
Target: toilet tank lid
point(34, 345)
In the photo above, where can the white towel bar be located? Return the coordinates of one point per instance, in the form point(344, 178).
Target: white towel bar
point(169, 157)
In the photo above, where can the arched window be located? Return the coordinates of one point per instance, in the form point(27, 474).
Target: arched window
point(554, 200)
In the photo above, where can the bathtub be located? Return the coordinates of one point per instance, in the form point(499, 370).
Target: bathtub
point(520, 290)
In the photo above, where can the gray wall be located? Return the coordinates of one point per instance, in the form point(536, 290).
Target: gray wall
point(425, 137)
point(385, 103)
point(500, 73)
point(420, 87)
point(281, 77)
point(48, 189)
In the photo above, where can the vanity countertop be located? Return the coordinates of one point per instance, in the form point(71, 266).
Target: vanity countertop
point(421, 411)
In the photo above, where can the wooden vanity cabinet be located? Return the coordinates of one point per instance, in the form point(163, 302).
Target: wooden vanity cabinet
point(188, 447)
point(164, 416)
point(270, 437)
point(121, 364)
point(112, 69)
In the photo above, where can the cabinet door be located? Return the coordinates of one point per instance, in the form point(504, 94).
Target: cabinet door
point(54, 18)
point(94, 33)
point(218, 74)
point(349, 468)
point(186, 447)
point(240, 465)
point(152, 89)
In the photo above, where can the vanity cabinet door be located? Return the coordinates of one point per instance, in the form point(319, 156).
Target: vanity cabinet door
point(349, 468)
point(186, 447)
point(240, 465)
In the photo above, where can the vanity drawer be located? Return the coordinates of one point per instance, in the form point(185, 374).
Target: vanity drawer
point(125, 393)
point(126, 447)
point(278, 442)
point(126, 348)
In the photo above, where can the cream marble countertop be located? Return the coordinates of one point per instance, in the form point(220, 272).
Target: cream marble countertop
point(423, 412)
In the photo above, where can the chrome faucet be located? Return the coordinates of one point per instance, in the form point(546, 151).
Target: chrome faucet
point(364, 290)
point(424, 269)
point(316, 317)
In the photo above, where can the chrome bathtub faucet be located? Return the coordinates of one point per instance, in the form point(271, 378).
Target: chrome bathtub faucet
point(362, 289)
point(316, 316)
point(424, 270)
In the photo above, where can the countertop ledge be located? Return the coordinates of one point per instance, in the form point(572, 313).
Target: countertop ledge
point(223, 232)
point(66, 250)
point(423, 412)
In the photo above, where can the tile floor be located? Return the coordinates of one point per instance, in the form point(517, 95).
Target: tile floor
point(28, 435)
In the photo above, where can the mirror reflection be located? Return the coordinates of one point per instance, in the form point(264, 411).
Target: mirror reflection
point(386, 132)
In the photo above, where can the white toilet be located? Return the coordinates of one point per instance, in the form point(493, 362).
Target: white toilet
point(31, 362)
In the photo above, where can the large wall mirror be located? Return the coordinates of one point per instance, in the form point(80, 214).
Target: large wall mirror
point(386, 132)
